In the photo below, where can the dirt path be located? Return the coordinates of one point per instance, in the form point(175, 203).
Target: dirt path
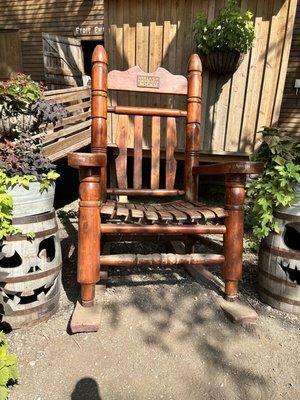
point(162, 337)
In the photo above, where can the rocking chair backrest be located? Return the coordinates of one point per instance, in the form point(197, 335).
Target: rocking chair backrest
point(160, 81)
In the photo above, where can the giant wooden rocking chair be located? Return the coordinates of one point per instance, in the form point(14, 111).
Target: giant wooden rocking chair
point(185, 216)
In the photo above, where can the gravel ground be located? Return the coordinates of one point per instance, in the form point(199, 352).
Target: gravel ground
point(162, 336)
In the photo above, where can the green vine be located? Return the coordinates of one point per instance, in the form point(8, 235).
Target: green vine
point(9, 372)
point(6, 201)
point(276, 187)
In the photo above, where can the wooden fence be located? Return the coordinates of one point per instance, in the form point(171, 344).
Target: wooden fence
point(156, 33)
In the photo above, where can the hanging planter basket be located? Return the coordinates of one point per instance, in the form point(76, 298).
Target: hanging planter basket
point(222, 63)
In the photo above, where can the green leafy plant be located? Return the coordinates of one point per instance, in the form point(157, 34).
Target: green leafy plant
point(9, 372)
point(18, 93)
point(276, 187)
point(230, 31)
point(22, 108)
point(21, 162)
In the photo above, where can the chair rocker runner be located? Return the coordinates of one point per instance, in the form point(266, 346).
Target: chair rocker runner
point(184, 217)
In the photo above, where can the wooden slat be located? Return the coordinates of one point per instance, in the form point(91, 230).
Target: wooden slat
point(62, 133)
point(121, 160)
point(138, 152)
point(281, 106)
point(155, 152)
point(170, 151)
point(164, 215)
point(61, 148)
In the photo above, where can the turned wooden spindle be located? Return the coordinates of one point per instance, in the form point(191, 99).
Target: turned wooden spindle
point(192, 134)
point(233, 239)
point(99, 108)
point(88, 272)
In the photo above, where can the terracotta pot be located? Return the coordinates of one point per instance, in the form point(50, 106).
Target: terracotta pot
point(222, 63)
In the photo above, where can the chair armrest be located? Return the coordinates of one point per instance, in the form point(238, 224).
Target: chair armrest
point(241, 167)
point(78, 160)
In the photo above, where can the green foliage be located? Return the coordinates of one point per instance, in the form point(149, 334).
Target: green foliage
point(23, 110)
point(6, 202)
point(18, 93)
point(276, 187)
point(9, 372)
point(230, 31)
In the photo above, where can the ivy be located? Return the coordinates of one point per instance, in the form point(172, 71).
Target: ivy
point(230, 31)
point(9, 372)
point(276, 187)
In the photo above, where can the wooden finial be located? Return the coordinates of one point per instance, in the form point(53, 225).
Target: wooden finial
point(194, 63)
point(99, 54)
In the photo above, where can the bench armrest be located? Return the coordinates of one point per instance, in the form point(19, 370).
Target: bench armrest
point(77, 160)
point(241, 167)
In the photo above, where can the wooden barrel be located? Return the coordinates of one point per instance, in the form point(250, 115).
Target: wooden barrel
point(30, 271)
point(279, 262)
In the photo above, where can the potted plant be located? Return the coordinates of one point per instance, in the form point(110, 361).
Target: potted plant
point(29, 269)
point(16, 97)
point(26, 176)
point(223, 42)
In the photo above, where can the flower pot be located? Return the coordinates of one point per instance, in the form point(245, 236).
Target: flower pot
point(222, 63)
point(12, 126)
point(31, 201)
point(279, 261)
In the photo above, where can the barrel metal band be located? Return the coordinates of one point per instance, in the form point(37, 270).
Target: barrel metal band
point(294, 255)
point(47, 232)
point(286, 216)
point(45, 307)
point(33, 218)
point(32, 277)
point(277, 297)
point(276, 279)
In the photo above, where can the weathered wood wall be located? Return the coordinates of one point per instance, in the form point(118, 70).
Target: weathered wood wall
point(155, 33)
point(10, 53)
point(58, 17)
point(290, 110)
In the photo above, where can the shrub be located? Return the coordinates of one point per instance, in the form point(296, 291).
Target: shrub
point(276, 187)
point(230, 31)
point(9, 372)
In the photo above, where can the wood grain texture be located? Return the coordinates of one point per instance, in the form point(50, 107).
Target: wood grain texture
point(121, 160)
point(138, 152)
point(171, 162)
point(289, 109)
point(155, 152)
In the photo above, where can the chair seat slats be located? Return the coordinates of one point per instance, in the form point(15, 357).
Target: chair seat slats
point(175, 212)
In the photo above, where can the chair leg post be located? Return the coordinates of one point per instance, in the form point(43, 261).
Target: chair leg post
point(233, 238)
point(88, 271)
